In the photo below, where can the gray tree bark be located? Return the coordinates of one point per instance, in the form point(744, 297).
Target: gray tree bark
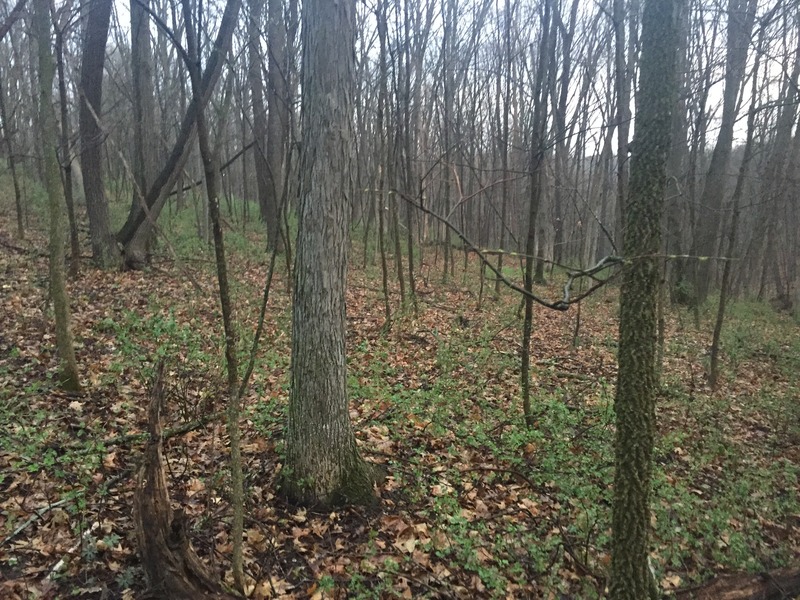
point(323, 465)
point(145, 134)
point(104, 248)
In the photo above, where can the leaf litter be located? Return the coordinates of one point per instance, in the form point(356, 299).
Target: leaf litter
point(473, 505)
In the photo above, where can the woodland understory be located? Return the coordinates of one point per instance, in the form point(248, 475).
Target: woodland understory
point(474, 504)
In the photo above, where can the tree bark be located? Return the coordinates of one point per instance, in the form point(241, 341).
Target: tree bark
point(145, 135)
point(636, 384)
point(171, 566)
point(323, 465)
point(538, 149)
point(66, 155)
point(49, 136)
point(104, 248)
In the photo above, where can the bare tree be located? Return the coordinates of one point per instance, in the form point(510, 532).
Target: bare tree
point(634, 404)
point(323, 465)
point(68, 376)
point(104, 248)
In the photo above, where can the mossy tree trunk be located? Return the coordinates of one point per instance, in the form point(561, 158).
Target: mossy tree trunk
point(636, 385)
point(323, 466)
point(55, 200)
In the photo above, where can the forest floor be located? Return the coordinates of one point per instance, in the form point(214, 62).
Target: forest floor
point(475, 504)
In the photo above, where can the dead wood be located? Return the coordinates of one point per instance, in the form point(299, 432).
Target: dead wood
point(173, 569)
point(781, 584)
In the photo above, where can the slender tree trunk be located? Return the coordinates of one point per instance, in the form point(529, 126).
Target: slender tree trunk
point(323, 465)
point(266, 201)
point(211, 170)
point(738, 192)
point(504, 136)
point(385, 156)
point(741, 17)
point(538, 149)
point(636, 384)
point(66, 158)
point(68, 376)
point(11, 18)
point(622, 77)
point(278, 118)
point(12, 163)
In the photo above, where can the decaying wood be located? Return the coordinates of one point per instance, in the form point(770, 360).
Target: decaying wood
point(173, 569)
point(782, 584)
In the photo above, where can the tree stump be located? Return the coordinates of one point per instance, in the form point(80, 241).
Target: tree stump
point(173, 569)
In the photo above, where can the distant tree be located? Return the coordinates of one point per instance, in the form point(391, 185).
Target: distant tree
point(146, 147)
point(741, 16)
point(636, 384)
point(104, 248)
point(55, 200)
point(278, 107)
point(323, 465)
point(169, 173)
point(9, 20)
point(12, 162)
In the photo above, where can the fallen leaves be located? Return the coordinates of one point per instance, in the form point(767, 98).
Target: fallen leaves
point(472, 506)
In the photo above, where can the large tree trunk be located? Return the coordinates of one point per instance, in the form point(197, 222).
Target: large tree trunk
point(323, 465)
point(145, 136)
point(104, 248)
point(636, 383)
point(55, 201)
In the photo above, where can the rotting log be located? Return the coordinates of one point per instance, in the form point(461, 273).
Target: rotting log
point(782, 584)
point(172, 568)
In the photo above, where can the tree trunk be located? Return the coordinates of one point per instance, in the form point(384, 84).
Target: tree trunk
point(12, 164)
point(538, 149)
point(68, 376)
point(104, 248)
point(210, 170)
point(267, 208)
point(145, 136)
point(741, 16)
point(636, 384)
point(277, 128)
point(66, 156)
point(155, 196)
point(323, 465)
point(171, 566)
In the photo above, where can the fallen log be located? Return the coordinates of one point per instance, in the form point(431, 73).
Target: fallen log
point(781, 584)
point(172, 568)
